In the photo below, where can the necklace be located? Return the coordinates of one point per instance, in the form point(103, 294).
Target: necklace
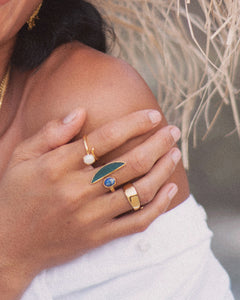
point(4, 85)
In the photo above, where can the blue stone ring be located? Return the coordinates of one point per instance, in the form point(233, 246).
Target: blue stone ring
point(109, 183)
point(105, 172)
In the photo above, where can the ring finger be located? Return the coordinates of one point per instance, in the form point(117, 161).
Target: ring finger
point(115, 204)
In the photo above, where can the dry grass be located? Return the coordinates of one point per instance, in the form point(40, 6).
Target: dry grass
point(192, 54)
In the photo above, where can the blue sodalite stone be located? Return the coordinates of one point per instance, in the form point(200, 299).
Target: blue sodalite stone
point(109, 182)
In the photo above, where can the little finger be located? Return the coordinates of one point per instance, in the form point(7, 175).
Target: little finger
point(139, 221)
point(149, 185)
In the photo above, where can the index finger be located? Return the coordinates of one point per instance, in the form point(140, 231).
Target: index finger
point(113, 134)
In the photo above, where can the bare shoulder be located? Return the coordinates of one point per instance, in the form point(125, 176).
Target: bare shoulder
point(76, 75)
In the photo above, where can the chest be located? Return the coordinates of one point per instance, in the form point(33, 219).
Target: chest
point(12, 119)
point(8, 142)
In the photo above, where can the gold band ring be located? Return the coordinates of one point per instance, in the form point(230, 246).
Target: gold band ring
point(132, 196)
point(90, 158)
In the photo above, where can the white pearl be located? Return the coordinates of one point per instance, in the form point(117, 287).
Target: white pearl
point(89, 159)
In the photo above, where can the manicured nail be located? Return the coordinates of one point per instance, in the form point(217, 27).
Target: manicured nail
point(173, 191)
point(176, 133)
point(176, 155)
point(155, 116)
point(68, 119)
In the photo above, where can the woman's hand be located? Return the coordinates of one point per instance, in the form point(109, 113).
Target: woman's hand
point(51, 213)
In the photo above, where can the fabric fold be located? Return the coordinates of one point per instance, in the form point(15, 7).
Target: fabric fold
point(166, 261)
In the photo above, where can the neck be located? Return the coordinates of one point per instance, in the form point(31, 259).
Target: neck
point(5, 55)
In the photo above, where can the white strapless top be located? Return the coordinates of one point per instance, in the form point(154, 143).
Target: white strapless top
point(172, 259)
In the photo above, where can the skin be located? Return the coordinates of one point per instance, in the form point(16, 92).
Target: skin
point(62, 216)
point(116, 90)
point(107, 89)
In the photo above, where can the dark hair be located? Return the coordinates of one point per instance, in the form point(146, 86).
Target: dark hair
point(60, 22)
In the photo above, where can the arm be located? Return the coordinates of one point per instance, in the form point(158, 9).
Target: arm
point(107, 87)
point(38, 164)
point(61, 216)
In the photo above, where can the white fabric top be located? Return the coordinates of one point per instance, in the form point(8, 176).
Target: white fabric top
point(172, 259)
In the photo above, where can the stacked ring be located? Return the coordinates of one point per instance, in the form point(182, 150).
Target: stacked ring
point(105, 171)
point(90, 158)
point(132, 196)
point(109, 183)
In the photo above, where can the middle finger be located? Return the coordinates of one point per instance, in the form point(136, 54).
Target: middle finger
point(138, 161)
point(141, 159)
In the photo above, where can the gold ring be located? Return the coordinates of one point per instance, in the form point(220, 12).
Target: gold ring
point(109, 183)
point(105, 172)
point(90, 158)
point(132, 196)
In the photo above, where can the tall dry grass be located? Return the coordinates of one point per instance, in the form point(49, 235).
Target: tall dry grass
point(189, 52)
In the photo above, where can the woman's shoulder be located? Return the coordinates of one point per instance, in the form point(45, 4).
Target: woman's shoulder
point(108, 88)
point(76, 75)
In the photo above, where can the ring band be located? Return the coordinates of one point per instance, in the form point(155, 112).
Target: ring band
point(90, 158)
point(132, 196)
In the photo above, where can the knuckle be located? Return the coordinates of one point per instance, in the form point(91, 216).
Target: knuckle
point(167, 140)
point(160, 208)
point(146, 195)
point(84, 220)
point(18, 151)
point(78, 197)
point(169, 167)
point(142, 226)
point(72, 204)
point(48, 131)
point(68, 200)
point(62, 196)
point(48, 170)
point(83, 195)
point(110, 133)
point(139, 163)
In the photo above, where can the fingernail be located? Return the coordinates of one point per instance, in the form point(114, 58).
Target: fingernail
point(173, 191)
point(176, 156)
point(176, 133)
point(155, 116)
point(68, 119)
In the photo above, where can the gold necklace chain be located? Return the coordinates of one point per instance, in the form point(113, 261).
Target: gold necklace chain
point(4, 85)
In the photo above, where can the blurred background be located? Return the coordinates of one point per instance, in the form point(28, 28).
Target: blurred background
point(214, 178)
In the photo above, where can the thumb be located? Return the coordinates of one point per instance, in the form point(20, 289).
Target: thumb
point(54, 134)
